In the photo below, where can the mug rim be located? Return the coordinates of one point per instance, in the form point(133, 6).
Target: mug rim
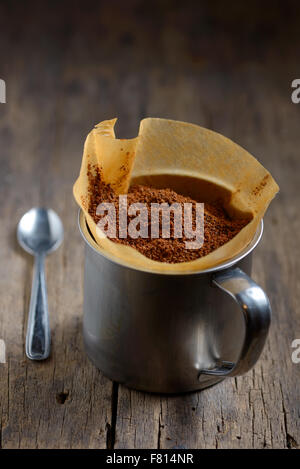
point(224, 265)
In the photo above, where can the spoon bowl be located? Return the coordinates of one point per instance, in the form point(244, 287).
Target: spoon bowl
point(40, 230)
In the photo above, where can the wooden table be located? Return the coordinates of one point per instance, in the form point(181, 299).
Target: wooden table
point(67, 68)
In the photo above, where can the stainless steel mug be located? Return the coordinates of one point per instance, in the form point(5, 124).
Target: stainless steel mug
point(172, 333)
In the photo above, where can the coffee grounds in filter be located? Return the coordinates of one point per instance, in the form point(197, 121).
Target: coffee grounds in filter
point(219, 228)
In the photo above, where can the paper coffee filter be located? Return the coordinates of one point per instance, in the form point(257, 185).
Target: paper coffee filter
point(171, 147)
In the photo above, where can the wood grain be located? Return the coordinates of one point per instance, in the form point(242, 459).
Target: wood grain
point(66, 69)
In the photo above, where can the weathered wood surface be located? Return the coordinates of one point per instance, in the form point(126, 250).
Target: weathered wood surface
point(67, 68)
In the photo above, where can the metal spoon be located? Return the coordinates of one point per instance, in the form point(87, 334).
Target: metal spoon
point(40, 231)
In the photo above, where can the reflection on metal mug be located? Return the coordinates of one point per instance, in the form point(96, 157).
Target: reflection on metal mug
point(2, 91)
point(2, 351)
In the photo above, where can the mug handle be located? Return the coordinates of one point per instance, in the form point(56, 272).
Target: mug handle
point(256, 310)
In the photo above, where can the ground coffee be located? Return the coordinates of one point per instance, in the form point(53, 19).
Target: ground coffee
point(218, 227)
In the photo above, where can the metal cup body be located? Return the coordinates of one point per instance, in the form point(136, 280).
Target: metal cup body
point(156, 332)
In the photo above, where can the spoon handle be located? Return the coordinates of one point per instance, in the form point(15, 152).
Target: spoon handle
point(38, 329)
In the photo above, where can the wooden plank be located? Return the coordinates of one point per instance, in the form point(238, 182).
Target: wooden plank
point(260, 409)
point(64, 401)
